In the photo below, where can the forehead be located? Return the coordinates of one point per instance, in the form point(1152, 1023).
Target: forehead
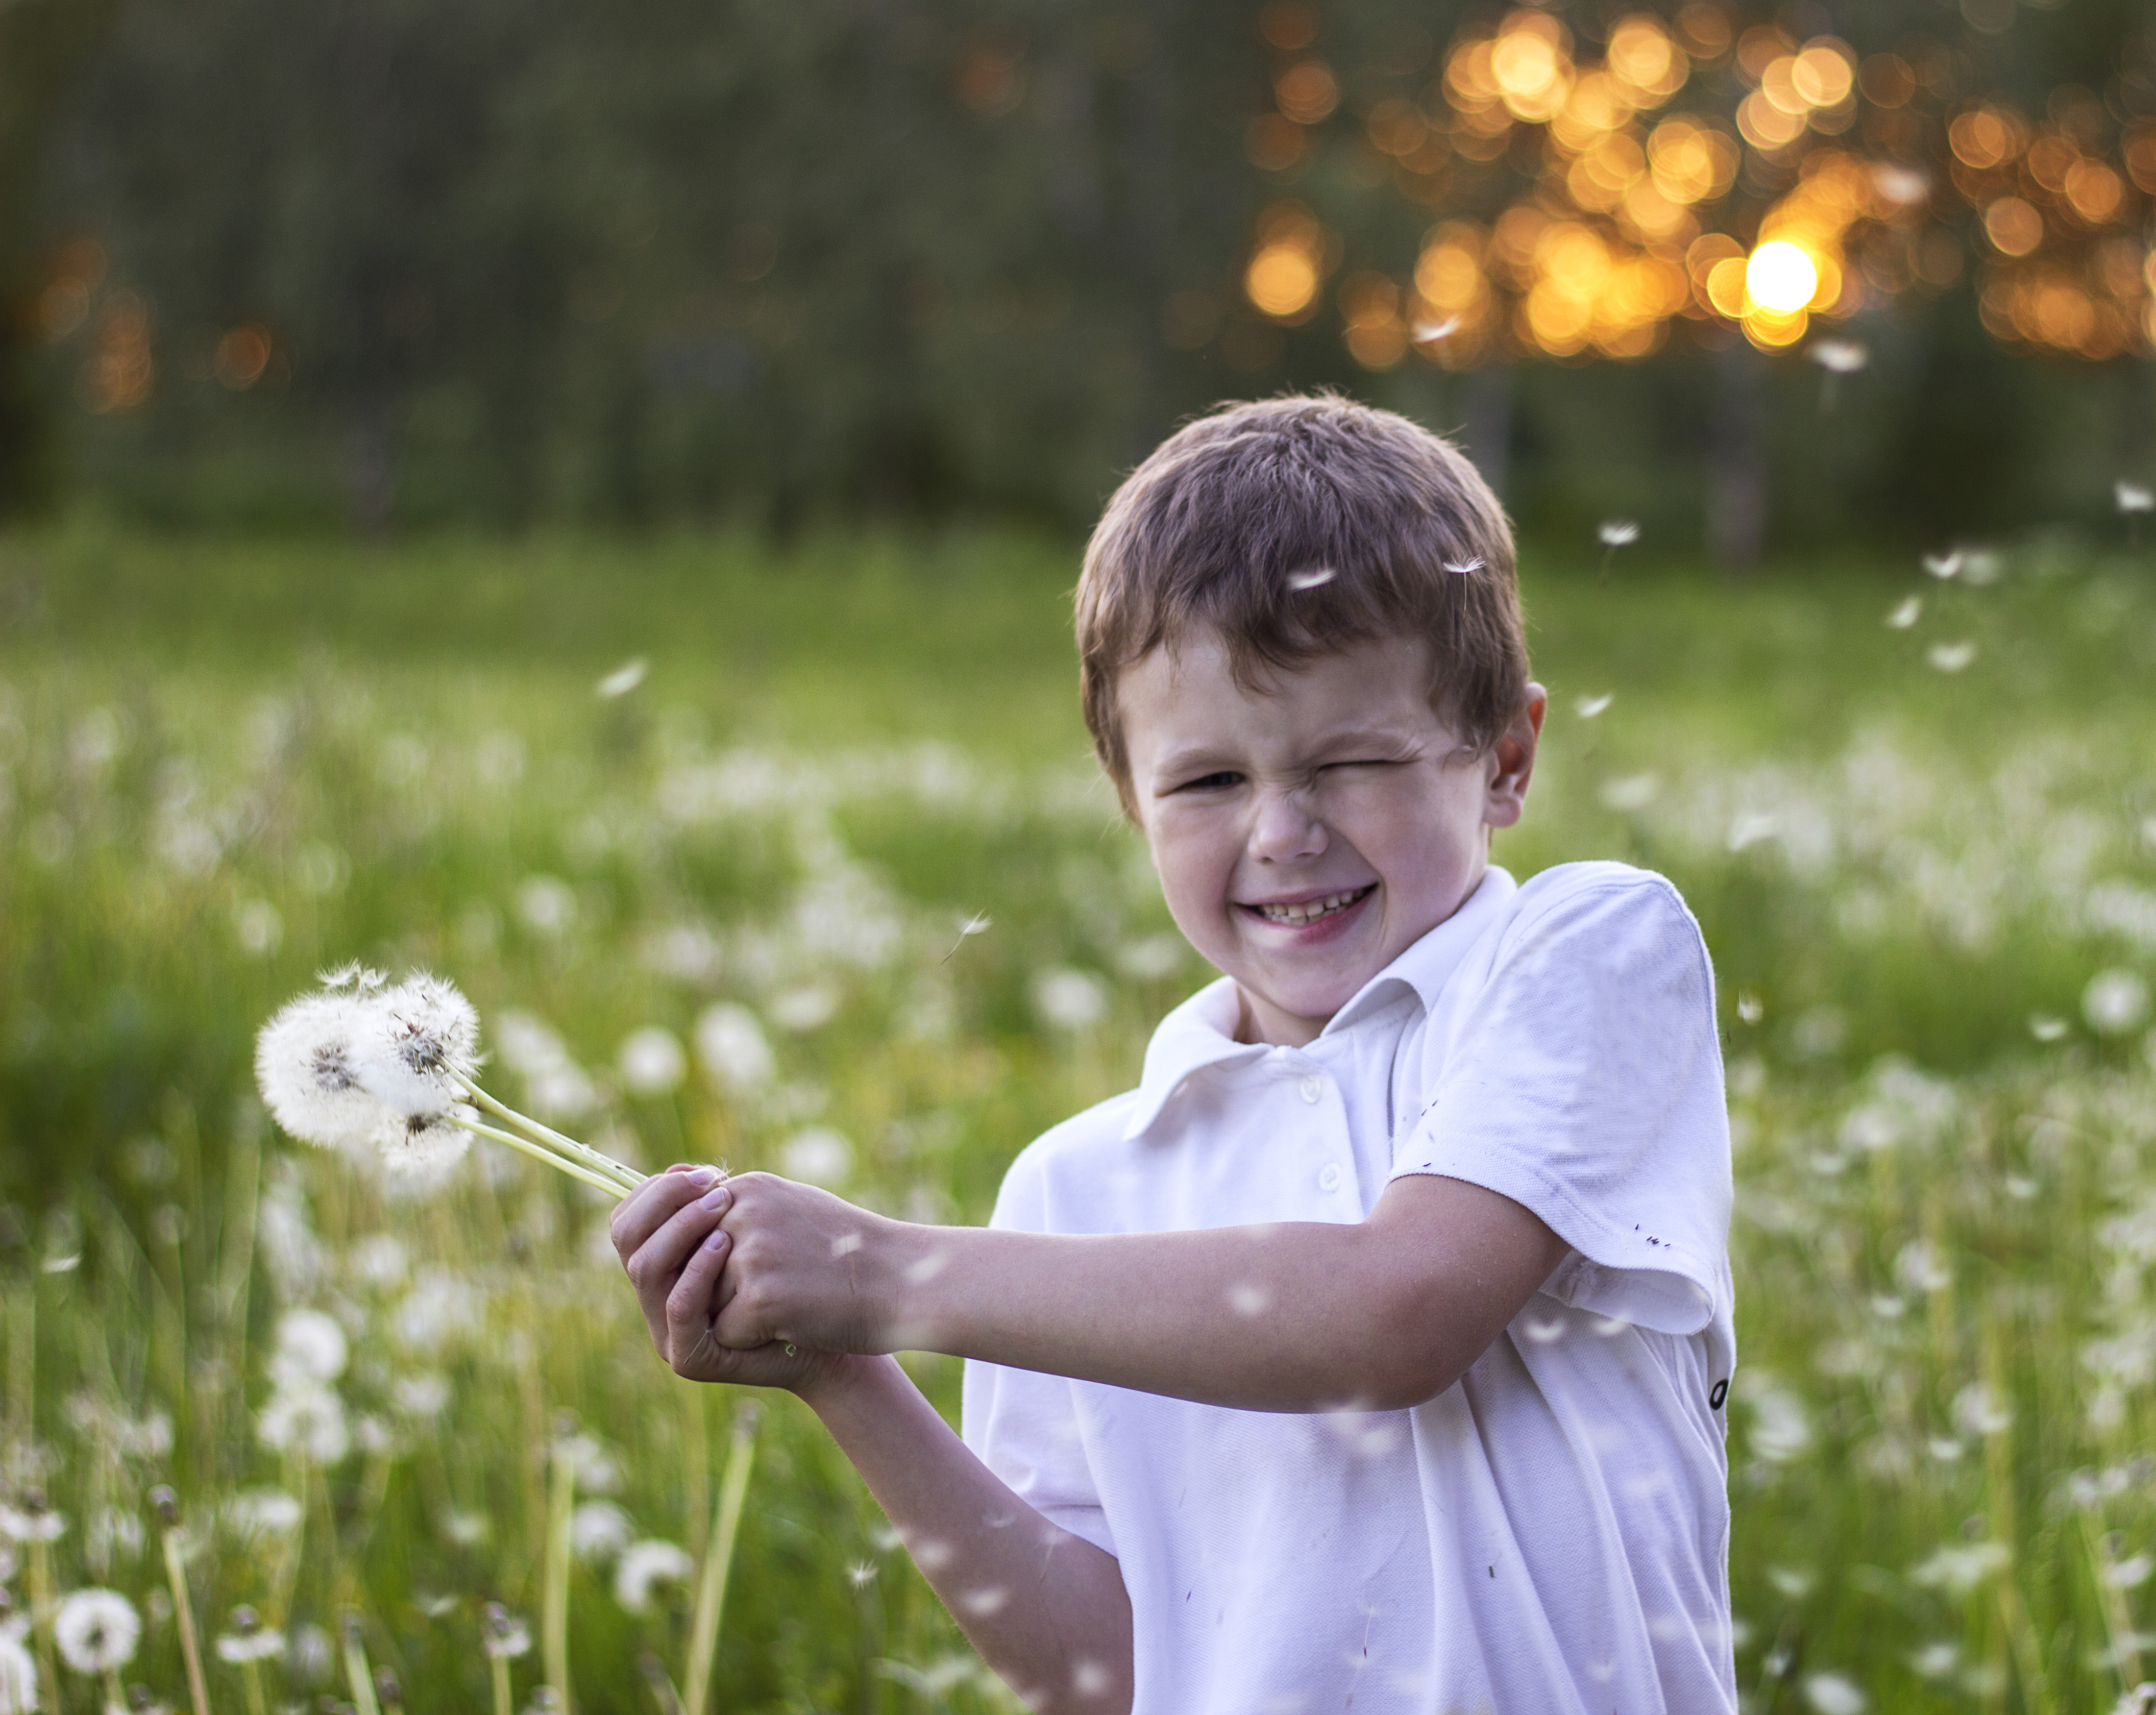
point(1188, 694)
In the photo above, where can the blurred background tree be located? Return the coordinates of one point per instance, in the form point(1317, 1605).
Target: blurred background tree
point(397, 265)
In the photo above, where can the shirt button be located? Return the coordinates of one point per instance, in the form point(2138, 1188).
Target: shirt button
point(1313, 1089)
point(1329, 1176)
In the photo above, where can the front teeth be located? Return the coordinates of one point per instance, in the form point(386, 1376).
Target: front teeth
point(1294, 917)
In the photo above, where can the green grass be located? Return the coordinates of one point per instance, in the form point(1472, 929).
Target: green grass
point(225, 764)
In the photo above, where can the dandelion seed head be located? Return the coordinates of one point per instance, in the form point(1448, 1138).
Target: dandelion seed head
point(19, 1674)
point(624, 679)
point(504, 1635)
point(2044, 1028)
point(643, 1567)
point(1313, 578)
point(1840, 357)
point(306, 1067)
point(97, 1630)
point(1617, 532)
point(428, 1041)
point(599, 1530)
point(311, 1346)
point(1463, 568)
point(31, 1522)
point(306, 1419)
point(732, 1046)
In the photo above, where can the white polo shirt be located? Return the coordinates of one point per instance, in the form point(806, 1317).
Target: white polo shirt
point(1549, 1536)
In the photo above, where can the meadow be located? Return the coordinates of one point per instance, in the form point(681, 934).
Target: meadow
point(701, 825)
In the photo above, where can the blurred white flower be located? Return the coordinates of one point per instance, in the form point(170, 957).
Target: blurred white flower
point(249, 1640)
point(310, 1347)
point(2133, 496)
point(599, 1530)
point(597, 1473)
point(651, 1061)
point(546, 906)
point(1617, 532)
point(1906, 613)
point(1959, 1568)
point(730, 1044)
point(1830, 1694)
point(1150, 959)
point(645, 1565)
point(1781, 1430)
point(2130, 1573)
point(1629, 793)
point(1840, 357)
point(1067, 999)
point(19, 1678)
point(264, 1513)
point(97, 1630)
point(806, 1009)
point(506, 1636)
point(2115, 1001)
point(1979, 1411)
point(624, 679)
point(32, 1524)
point(1951, 657)
point(257, 926)
point(306, 1420)
point(426, 1394)
point(817, 1156)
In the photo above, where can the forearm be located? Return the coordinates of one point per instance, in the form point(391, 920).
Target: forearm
point(1046, 1610)
point(1299, 1317)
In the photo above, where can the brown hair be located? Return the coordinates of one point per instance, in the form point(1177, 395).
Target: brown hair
point(1293, 527)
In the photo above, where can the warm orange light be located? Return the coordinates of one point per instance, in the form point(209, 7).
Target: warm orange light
point(1281, 280)
point(1766, 126)
point(2012, 227)
point(2094, 190)
point(1531, 67)
point(1778, 83)
point(1984, 137)
point(1823, 74)
point(1781, 277)
point(1308, 92)
point(1644, 57)
point(242, 355)
point(1396, 127)
point(1690, 163)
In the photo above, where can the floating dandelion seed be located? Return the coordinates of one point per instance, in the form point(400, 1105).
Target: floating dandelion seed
point(2133, 500)
point(861, 1573)
point(1951, 657)
point(980, 923)
point(1943, 566)
point(2115, 1001)
point(1426, 333)
point(1589, 707)
point(1311, 579)
point(624, 679)
point(1614, 533)
point(1837, 358)
point(1906, 613)
point(2046, 1029)
point(1463, 568)
point(1750, 1007)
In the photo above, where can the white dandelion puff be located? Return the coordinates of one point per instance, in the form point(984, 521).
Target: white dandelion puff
point(19, 1678)
point(310, 1347)
point(2115, 1001)
point(2044, 1028)
point(428, 1043)
point(97, 1630)
point(32, 1523)
point(645, 1565)
point(732, 1047)
point(599, 1530)
point(1617, 532)
point(1943, 566)
point(1315, 576)
point(506, 1636)
point(652, 1061)
point(306, 1420)
point(306, 1067)
point(1840, 357)
point(1906, 613)
point(624, 679)
point(1951, 657)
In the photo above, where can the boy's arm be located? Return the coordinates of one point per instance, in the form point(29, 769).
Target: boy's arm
point(1046, 1610)
point(1296, 1317)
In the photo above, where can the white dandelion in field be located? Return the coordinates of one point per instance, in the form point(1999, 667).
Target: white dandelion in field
point(732, 1048)
point(599, 1530)
point(2115, 1001)
point(366, 1065)
point(1906, 613)
point(1830, 1694)
point(652, 1062)
point(310, 1347)
point(249, 1640)
point(1316, 578)
point(2140, 1701)
point(1069, 999)
point(507, 1635)
point(2046, 1029)
point(256, 1513)
point(19, 1678)
point(32, 1522)
point(97, 1630)
point(624, 679)
point(1959, 1568)
point(306, 1419)
point(817, 1156)
point(644, 1566)
point(1951, 657)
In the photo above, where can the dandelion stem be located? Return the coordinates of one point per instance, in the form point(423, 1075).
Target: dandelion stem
point(356, 1670)
point(41, 1616)
point(560, 1501)
point(176, 1573)
point(538, 1152)
point(553, 1139)
point(503, 1703)
point(718, 1560)
point(255, 1703)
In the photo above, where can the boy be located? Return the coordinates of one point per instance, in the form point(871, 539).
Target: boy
point(1373, 1352)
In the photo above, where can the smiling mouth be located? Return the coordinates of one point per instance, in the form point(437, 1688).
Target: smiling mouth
point(1300, 917)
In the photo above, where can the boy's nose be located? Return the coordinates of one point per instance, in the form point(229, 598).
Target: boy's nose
point(1287, 828)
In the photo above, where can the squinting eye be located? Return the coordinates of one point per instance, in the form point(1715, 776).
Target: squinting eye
point(1209, 782)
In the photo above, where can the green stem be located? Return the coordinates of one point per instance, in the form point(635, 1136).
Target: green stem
point(538, 1153)
point(718, 1560)
point(255, 1704)
point(500, 1664)
point(176, 1573)
point(553, 1139)
point(357, 1672)
point(561, 1500)
point(41, 1614)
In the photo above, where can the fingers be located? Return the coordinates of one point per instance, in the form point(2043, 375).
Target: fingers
point(655, 1265)
point(688, 1308)
point(655, 1202)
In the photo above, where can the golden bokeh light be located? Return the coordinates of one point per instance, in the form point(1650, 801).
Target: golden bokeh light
point(1824, 73)
point(1765, 126)
point(1396, 127)
point(1289, 25)
point(2014, 226)
point(1781, 277)
point(1308, 92)
point(2094, 191)
point(1641, 56)
point(1281, 280)
point(243, 353)
point(1986, 137)
point(1530, 63)
point(1691, 161)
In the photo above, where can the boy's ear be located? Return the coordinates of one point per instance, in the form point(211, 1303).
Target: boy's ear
point(1512, 762)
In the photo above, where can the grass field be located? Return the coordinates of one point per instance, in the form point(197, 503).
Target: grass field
point(1925, 857)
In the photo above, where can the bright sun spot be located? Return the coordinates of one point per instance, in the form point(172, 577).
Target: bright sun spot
point(1781, 277)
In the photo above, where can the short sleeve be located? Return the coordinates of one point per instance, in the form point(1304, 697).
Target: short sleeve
point(1023, 1424)
point(1581, 1076)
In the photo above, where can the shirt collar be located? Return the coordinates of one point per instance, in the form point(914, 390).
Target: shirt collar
point(1201, 1032)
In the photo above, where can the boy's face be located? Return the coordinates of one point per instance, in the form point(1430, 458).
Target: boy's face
point(1308, 832)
